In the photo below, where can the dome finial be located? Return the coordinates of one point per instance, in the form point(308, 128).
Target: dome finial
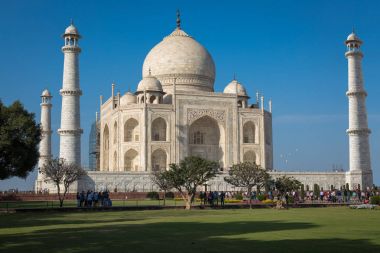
point(353, 28)
point(71, 21)
point(178, 20)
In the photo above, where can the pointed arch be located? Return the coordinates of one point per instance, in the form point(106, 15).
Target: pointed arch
point(131, 132)
point(131, 160)
point(159, 160)
point(249, 132)
point(152, 99)
point(106, 147)
point(206, 139)
point(159, 130)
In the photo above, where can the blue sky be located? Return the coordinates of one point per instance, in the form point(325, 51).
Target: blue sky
point(291, 51)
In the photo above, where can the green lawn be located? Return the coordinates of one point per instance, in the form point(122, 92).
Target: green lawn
point(258, 230)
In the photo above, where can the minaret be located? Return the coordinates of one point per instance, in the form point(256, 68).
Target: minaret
point(45, 143)
point(360, 174)
point(70, 131)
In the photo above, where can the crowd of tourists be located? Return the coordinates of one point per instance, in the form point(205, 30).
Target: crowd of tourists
point(333, 196)
point(93, 199)
point(341, 196)
point(212, 198)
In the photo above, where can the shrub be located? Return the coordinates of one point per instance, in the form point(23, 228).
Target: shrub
point(291, 199)
point(375, 200)
point(152, 195)
point(169, 195)
point(261, 197)
point(267, 201)
point(239, 196)
point(232, 201)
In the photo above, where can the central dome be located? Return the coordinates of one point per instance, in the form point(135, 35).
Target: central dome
point(180, 57)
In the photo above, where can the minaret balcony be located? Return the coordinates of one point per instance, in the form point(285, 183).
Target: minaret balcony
point(356, 93)
point(69, 48)
point(70, 92)
point(354, 53)
point(358, 131)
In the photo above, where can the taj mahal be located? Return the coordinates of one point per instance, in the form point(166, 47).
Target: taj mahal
point(175, 113)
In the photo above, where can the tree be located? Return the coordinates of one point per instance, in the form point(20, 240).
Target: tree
point(286, 184)
point(162, 180)
point(268, 183)
point(62, 173)
point(19, 139)
point(316, 191)
point(247, 175)
point(191, 172)
point(302, 192)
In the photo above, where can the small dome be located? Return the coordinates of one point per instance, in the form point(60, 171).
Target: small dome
point(234, 87)
point(149, 83)
point(353, 36)
point(71, 30)
point(46, 93)
point(128, 98)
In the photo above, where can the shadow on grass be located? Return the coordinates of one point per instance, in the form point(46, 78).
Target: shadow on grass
point(41, 219)
point(177, 237)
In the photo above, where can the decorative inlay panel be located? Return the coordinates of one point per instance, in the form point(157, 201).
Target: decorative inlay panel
point(193, 114)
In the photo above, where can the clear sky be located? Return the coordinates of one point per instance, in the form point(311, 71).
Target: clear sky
point(291, 51)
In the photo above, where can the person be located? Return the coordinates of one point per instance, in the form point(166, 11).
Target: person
point(89, 199)
point(81, 198)
point(216, 197)
point(345, 195)
point(211, 198)
point(106, 198)
point(95, 199)
point(321, 193)
point(286, 200)
point(101, 199)
point(201, 196)
point(222, 196)
point(78, 199)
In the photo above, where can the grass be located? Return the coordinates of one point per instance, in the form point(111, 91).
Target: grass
point(258, 230)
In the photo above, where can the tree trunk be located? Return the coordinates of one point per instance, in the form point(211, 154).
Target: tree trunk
point(188, 202)
point(250, 197)
point(188, 205)
point(164, 197)
point(59, 196)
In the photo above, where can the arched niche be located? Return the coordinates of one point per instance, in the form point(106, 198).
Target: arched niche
point(131, 160)
point(131, 131)
point(159, 130)
point(206, 139)
point(159, 160)
point(106, 147)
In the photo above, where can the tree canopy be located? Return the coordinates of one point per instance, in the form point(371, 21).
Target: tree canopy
point(247, 175)
point(286, 184)
point(163, 182)
point(190, 173)
point(19, 139)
